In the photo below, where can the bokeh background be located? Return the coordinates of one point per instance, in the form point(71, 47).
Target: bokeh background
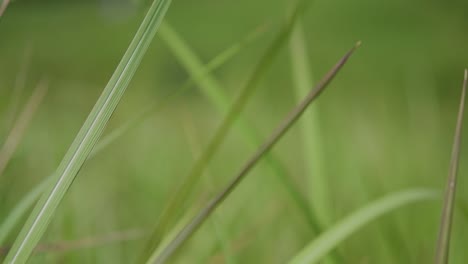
point(386, 123)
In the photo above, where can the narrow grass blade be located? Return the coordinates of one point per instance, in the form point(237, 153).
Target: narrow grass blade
point(220, 233)
point(443, 242)
point(293, 116)
point(18, 88)
point(184, 221)
point(214, 92)
point(31, 197)
point(21, 124)
point(88, 136)
point(202, 74)
point(329, 240)
point(189, 60)
point(310, 126)
point(175, 204)
point(317, 181)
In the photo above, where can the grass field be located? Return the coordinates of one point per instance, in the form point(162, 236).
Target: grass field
point(384, 127)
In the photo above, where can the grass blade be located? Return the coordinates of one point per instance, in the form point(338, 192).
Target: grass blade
point(293, 116)
point(21, 124)
point(173, 207)
point(317, 182)
point(443, 242)
point(31, 197)
point(310, 127)
point(202, 75)
point(88, 136)
point(18, 87)
point(20, 210)
point(326, 242)
point(220, 233)
point(214, 92)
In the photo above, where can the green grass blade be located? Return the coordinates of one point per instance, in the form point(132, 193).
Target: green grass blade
point(317, 182)
point(220, 232)
point(290, 119)
point(29, 199)
point(443, 241)
point(329, 240)
point(202, 75)
point(87, 136)
point(310, 126)
point(21, 124)
point(214, 92)
point(175, 204)
point(190, 60)
point(185, 220)
point(20, 210)
point(18, 88)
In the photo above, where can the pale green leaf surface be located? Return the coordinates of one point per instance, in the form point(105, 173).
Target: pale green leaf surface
point(330, 239)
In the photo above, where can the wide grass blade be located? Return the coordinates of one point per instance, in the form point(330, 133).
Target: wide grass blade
point(443, 242)
point(293, 116)
point(176, 203)
point(21, 124)
point(329, 240)
point(31, 197)
point(88, 136)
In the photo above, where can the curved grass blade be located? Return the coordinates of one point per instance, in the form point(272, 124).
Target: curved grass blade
point(214, 92)
point(290, 119)
point(329, 240)
point(175, 204)
point(21, 124)
point(443, 241)
point(27, 201)
point(87, 136)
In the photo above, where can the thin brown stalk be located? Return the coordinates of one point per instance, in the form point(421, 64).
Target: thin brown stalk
point(21, 124)
point(196, 222)
point(443, 241)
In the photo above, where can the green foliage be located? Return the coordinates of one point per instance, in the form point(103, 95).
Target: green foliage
point(387, 127)
point(87, 137)
point(319, 247)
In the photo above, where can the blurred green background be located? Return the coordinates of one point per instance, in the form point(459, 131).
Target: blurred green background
point(386, 122)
